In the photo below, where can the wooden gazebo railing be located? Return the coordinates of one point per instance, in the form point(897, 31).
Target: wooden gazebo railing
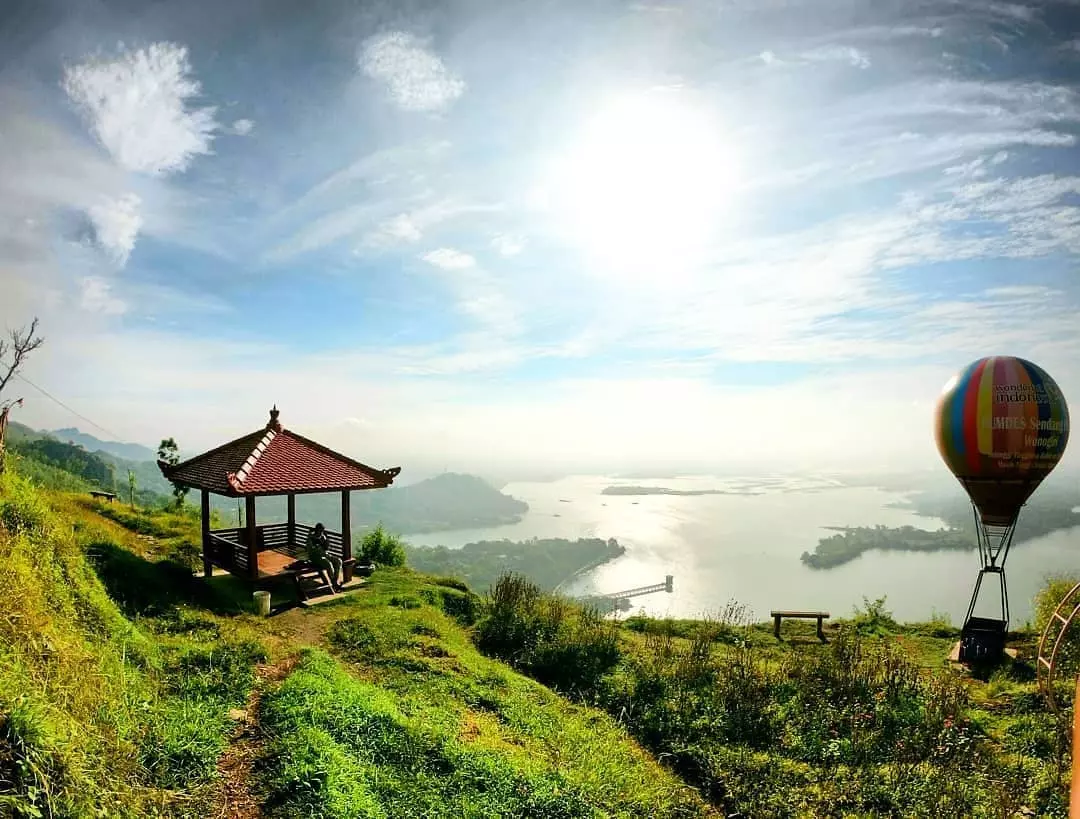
point(228, 548)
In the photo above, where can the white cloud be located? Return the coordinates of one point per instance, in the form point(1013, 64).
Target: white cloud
point(410, 227)
point(507, 245)
point(400, 228)
point(448, 258)
point(116, 223)
point(415, 76)
point(96, 297)
point(853, 56)
point(243, 127)
point(138, 105)
point(975, 168)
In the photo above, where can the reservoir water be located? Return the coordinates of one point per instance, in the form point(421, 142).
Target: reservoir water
point(745, 546)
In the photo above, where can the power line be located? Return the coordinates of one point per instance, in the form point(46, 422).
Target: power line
point(79, 415)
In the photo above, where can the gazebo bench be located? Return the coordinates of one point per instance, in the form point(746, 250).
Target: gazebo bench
point(301, 570)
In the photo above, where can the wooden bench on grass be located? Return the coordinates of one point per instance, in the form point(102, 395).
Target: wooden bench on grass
point(820, 616)
point(109, 496)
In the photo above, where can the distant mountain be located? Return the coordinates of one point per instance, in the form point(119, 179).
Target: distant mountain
point(20, 433)
point(130, 452)
point(447, 501)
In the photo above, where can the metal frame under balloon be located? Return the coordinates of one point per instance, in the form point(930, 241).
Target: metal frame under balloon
point(994, 543)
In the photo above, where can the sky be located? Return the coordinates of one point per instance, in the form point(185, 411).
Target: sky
point(517, 236)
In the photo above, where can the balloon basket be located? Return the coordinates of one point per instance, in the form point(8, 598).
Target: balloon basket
point(982, 641)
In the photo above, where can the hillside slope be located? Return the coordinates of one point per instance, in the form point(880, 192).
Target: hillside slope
point(98, 716)
point(129, 688)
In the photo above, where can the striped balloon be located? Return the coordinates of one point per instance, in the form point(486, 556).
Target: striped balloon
point(1001, 425)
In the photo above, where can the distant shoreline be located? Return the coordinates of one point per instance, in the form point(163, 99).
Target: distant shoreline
point(663, 490)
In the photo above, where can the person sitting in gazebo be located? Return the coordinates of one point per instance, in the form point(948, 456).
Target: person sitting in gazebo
point(318, 546)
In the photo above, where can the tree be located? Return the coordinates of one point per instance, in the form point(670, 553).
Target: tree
point(13, 352)
point(131, 488)
point(169, 452)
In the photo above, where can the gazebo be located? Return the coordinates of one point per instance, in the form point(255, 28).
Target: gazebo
point(272, 461)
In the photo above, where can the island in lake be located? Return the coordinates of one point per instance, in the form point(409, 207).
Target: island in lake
point(1049, 512)
point(663, 490)
point(547, 562)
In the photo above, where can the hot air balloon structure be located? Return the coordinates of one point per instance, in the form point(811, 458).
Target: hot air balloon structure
point(1001, 425)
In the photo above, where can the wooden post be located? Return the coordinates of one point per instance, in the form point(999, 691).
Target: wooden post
point(1074, 788)
point(776, 625)
point(346, 538)
point(291, 503)
point(821, 629)
point(252, 538)
point(208, 566)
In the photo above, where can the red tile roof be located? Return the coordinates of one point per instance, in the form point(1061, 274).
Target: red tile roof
point(275, 461)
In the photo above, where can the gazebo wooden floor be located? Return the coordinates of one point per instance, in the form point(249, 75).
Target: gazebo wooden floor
point(272, 563)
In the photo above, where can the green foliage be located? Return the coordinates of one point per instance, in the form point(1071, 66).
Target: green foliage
point(854, 727)
point(450, 583)
point(727, 626)
point(183, 742)
point(849, 543)
point(463, 606)
point(545, 561)
point(97, 716)
point(221, 672)
point(169, 452)
point(315, 776)
point(23, 512)
point(342, 747)
point(873, 619)
point(425, 665)
point(1050, 595)
point(939, 625)
point(552, 640)
point(44, 475)
point(382, 548)
point(70, 458)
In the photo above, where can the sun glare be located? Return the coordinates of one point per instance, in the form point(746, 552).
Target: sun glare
point(645, 183)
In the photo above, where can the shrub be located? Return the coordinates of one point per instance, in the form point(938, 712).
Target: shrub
point(451, 583)
point(382, 547)
point(463, 606)
point(873, 619)
point(554, 641)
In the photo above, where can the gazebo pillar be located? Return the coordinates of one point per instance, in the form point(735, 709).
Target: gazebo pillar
point(252, 538)
point(291, 506)
point(208, 566)
point(346, 537)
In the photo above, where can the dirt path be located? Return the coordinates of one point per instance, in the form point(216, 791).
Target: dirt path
point(236, 766)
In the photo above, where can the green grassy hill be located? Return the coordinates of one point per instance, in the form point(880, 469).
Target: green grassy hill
point(130, 688)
